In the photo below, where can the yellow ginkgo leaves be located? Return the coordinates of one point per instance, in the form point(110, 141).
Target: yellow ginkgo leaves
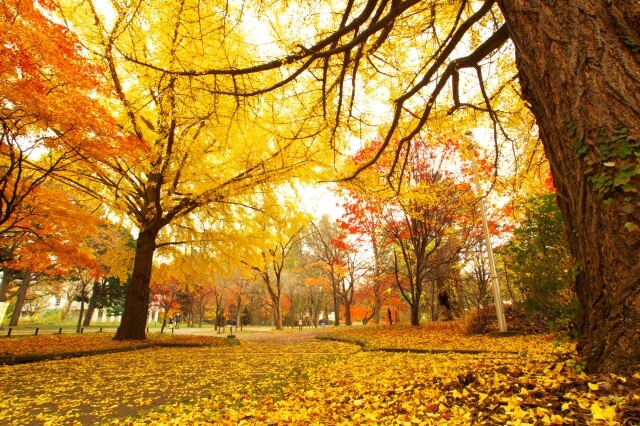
point(526, 382)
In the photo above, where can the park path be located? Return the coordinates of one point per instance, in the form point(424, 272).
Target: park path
point(94, 389)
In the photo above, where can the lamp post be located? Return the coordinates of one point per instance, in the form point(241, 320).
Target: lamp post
point(497, 296)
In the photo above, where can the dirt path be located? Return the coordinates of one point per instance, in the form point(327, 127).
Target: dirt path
point(261, 334)
point(283, 336)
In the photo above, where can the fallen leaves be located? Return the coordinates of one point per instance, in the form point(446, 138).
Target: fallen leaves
point(103, 387)
point(447, 336)
point(528, 381)
point(65, 343)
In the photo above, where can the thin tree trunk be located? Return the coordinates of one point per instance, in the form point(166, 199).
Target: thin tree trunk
point(336, 305)
point(20, 298)
point(95, 293)
point(277, 314)
point(377, 296)
point(134, 317)
point(79, 326)
point(581, 76)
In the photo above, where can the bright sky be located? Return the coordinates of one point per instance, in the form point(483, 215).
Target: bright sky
point(319, 200)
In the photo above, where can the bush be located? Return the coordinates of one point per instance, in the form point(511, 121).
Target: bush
point(486, 321)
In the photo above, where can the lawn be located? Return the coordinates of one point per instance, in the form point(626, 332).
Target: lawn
point(508, 380)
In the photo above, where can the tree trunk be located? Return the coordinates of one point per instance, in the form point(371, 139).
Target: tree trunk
point(347, 311)
point(336, 305)
point(134, 317)
point(377, 302)
point(79, 326)
point(581, 77)
point(20, 298)
point(7, 277)
point(415, 314)
point(277, 314)
point(377, 290)
point(95, 293)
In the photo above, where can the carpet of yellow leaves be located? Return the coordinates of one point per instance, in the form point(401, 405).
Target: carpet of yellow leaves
point(442, 336)
point(68, 343)
point(518, 381)
point(103, 387)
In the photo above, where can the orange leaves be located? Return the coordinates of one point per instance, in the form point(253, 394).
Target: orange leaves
point(54, 231)
point(48, 85)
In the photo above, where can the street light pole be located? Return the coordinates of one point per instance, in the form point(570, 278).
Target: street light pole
point(497, 296)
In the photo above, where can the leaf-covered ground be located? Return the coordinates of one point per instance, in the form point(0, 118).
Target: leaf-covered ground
point(443, 336)
point(63, 343)
point(518, 381)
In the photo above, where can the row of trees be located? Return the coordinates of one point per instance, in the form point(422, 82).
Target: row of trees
point(398, 250)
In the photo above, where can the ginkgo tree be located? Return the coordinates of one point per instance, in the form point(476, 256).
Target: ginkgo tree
point(198, 150)
point(268, 241)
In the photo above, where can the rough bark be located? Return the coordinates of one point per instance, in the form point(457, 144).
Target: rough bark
point(134, 317)
point(275, 291)
point(578, 69)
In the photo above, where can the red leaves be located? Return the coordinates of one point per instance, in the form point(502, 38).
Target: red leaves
point(49, 86)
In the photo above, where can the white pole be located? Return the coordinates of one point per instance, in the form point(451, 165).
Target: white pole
point(497, 296)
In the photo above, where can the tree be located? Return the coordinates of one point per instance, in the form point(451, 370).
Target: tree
point(198, 151)
point(329, 257)
point(540, 263)
point(477, 283)
point(364, 219)
point(50, 114)
point(53, 239)
point(163, 296)
point(268, 246)
point(240, 286)
point(418, 224)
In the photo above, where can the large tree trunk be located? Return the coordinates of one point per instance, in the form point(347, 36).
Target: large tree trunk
point(134, 317)
point(415, 314)
point(336, 303)
point(581, 76)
